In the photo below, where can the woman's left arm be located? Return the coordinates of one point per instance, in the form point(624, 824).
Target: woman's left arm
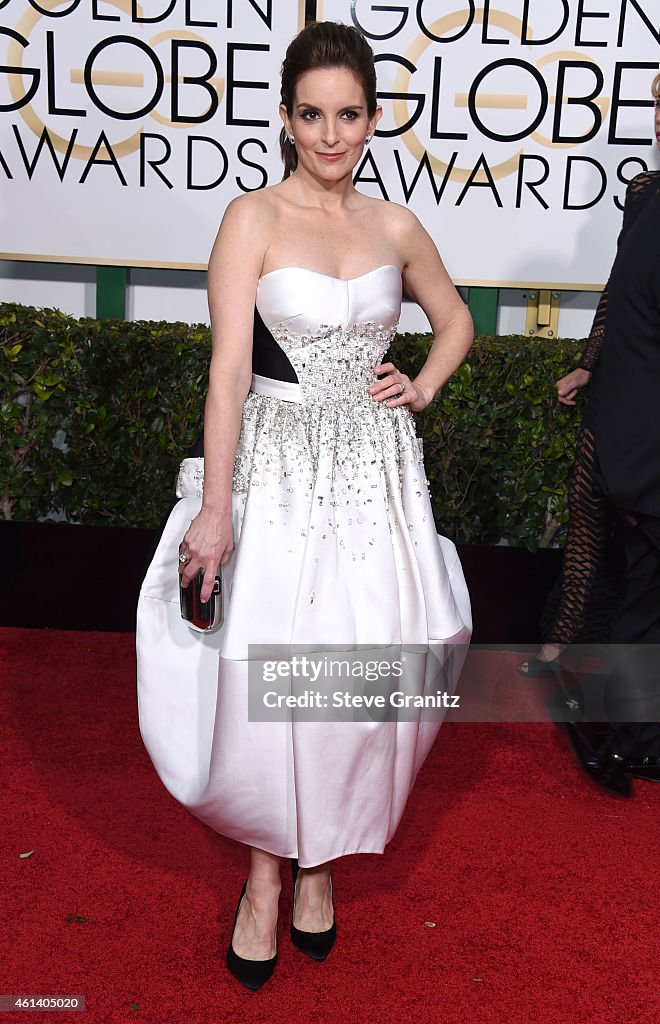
point(427, 282)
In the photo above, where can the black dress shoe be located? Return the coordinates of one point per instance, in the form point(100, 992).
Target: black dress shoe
point(647, 768)
point(604, 767)
point(316, 945)
point(251, 973)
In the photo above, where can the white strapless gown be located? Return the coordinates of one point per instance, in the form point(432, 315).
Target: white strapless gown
point(335, 544)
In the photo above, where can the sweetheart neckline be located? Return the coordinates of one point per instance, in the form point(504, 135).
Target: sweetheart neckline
point(330, 277)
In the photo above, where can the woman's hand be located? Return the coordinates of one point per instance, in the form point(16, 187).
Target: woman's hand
point(395, 388)
point(568, 386)
point(207, 544)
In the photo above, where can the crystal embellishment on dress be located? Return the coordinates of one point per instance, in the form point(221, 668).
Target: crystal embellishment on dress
point(283, 443)
point(336, 364)
point(190, 481)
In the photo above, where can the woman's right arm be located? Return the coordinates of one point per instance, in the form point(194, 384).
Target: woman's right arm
point(234, 269)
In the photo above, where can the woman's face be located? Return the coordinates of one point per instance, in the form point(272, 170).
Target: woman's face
point(329, 121)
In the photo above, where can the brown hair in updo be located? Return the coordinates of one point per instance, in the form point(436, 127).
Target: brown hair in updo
point(324, 44)
point(655, 87)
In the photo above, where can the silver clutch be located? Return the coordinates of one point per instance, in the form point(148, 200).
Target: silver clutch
point(203, 616)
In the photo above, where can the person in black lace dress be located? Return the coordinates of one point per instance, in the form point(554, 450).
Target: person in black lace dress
point(617, 475)
point(590, 586)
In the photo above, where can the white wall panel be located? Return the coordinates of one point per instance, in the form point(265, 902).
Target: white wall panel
point(71, 288)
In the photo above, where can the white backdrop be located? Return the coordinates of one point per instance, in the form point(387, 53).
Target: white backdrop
point(106, 159)
point(510, 127)
point(492, 108)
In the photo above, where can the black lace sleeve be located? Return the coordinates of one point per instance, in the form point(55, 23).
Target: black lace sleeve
point(639, 191)
point(594, 344)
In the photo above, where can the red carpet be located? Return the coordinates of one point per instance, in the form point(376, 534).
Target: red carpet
point(542, 889)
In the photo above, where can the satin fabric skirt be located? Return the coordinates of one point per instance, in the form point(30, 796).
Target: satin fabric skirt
point(305, 789)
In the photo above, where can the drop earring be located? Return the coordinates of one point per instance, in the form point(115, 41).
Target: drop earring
point(291, 139)
point(367, 139)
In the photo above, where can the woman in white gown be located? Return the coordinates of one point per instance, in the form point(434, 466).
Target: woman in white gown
point(312, 499)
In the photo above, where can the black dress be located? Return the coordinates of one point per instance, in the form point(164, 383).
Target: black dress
point(590, 584)
point(624, 410)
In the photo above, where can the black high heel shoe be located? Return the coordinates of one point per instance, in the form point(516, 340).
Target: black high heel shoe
point(538, 669)
point(607, 769)
point(573, 654)
point(316, 945)
point(251, 973)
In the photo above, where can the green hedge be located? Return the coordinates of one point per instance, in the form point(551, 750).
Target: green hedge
point(96, 415)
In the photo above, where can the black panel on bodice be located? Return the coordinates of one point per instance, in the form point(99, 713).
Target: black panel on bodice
point(268, 360)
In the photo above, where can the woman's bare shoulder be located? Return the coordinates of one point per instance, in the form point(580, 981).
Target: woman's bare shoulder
point(247, 226)
point(404, 231)
point(396, 219)
point(250, 207)
point(260, 211)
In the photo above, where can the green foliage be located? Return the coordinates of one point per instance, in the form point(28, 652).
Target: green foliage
point(96, 415)
point(125, 399)
point(138, 404)
point(36, 350)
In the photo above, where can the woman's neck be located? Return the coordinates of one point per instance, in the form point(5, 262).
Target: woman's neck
point(305, 190)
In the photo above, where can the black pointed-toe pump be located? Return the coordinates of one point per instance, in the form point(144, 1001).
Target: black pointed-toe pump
point(316, 945)
point(251, 973)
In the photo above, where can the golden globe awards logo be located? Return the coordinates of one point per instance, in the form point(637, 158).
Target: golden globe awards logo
point(127, 127)
point(91, 83)
point(528, 101)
